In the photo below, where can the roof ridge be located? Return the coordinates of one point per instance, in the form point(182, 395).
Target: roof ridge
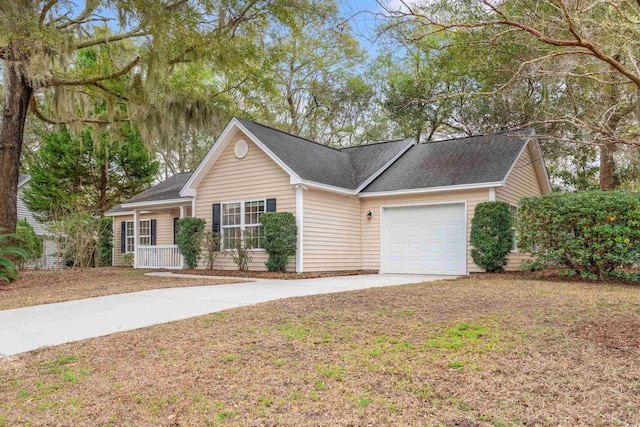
point(375, 143)
point(478, 135)
point(289, 133)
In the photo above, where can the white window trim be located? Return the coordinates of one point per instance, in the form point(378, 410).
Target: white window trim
point(140, 236)
point(127, 246)
point(514, 247)
point(242, 224)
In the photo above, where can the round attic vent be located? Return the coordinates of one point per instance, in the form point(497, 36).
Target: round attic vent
point(241, 148)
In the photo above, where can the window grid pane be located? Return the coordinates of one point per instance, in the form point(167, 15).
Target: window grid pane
point(145, 232)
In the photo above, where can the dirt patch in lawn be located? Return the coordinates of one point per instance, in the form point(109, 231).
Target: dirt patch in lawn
point(467, 353)
point(36, 287)
point(273, 275)
point(620, 334)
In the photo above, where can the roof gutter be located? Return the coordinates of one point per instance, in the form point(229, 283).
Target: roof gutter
point(180, 201)
point(432, 189)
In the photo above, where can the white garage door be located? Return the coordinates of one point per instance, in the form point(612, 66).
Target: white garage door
point(424, 239)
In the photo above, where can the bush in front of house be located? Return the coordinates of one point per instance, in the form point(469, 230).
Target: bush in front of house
point(593, 234)
point(188, 236)
point(105, 242)
point(27, 240)
point(279, 238)
point(8, 253)
point(491, 236)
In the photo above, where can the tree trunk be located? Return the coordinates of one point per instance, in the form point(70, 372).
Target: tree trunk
point(18, 92)
point(607, 166)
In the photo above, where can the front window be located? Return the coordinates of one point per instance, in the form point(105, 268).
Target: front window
point(130, 239)
point(145, 232)
point(239, 217)
point(514, 223)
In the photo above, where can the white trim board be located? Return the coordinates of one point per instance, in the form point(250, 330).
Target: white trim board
point(432, 189)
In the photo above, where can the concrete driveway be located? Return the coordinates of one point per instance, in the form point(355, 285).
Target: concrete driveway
point(29, 328)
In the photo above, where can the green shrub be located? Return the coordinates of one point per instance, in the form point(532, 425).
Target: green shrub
point(75, 235)
point(491, 235)
point(241, 254)
point(28, 240)
point(188, 236)
point(127, 260)
point(211, 245)
point(593, 234)
point(279, 238)
point(9, 253)
point(105, 242)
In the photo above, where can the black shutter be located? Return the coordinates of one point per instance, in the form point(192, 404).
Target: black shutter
point(123, 237)
point(175, 229)
point(153, 232)
point(216, 218)
point(271, 205)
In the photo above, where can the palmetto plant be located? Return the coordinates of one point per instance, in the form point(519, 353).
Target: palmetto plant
point(8, 271)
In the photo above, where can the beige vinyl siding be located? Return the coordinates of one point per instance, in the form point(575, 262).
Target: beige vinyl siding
point(522, 181)
point(371, 227)
point(332, 231)
point(253, 177)
point(164, 230)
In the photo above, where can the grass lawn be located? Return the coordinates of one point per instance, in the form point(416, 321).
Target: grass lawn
point(470, 352)
point(36, 287)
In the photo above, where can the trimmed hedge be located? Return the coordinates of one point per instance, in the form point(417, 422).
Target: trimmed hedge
point(188, 239)
point(491, 236)
point(594, 234)
point(279, 238)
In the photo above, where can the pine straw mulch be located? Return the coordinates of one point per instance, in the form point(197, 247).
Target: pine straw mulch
point(469, 352)
point(273, 274)
point(35, 287)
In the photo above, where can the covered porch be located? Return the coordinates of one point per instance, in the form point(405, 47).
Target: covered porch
point(151, 233)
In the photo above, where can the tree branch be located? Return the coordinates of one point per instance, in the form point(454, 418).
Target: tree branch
point(136, 32)
point(47, 7)
point(93, 81)
point(33, 107)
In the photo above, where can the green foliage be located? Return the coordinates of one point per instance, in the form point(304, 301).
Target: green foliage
point(76, 235)
point(188, 239)
point(279, 238)
point(127, 260)
point(491, 235)
point(28, 241)
point(593, 234)
point(105, 242)
point(241, 254)
point(90, 173)
point(8, 253)
point(211, 245)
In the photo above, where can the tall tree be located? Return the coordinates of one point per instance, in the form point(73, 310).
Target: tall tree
point(40, 42)
point(594, 43)
point(90, 173)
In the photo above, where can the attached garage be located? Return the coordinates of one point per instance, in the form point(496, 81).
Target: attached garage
point(424, 239)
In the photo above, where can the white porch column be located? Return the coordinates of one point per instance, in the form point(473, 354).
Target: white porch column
point(299, 223)
point(182, 209)
point(136, 240)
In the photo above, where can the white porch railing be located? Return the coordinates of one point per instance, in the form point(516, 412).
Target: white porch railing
point(159, 256)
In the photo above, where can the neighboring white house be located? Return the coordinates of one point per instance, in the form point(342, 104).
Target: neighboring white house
point(49, 259)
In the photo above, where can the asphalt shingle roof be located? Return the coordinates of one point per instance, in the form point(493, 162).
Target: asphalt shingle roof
point(472, 160)
point(165, 190)
point(347, 168)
